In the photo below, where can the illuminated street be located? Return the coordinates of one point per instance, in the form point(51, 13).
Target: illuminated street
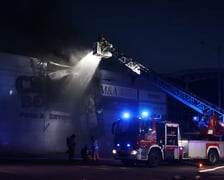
point(107, 168)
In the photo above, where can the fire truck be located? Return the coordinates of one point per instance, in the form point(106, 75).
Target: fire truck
point(145, 139)
point(153, 140)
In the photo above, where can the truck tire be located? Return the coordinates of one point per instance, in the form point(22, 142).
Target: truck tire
point(213, 157)
point(154, 158)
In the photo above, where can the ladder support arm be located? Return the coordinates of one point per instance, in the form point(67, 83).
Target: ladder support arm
point(105, 49)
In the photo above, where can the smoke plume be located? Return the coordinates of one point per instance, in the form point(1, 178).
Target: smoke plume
point(41, 29)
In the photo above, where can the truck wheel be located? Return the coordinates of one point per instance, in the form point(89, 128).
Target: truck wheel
point(213, 157)
point(154, 158)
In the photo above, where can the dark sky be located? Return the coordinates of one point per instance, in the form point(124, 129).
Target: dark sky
point(167, 35)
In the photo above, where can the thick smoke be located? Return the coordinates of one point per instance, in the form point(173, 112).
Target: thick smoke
point(41, 29)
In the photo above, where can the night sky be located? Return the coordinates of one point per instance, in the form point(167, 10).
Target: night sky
point(166, 35)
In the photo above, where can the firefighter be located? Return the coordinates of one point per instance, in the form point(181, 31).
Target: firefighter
point(70, 141)
point(85, 153)
point(95, 149)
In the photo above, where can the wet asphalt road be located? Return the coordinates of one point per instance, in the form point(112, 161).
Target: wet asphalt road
point(109, 169)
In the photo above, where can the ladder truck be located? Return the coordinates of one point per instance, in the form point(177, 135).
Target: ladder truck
point(151, 141)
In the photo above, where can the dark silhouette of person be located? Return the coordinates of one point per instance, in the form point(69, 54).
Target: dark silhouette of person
point(84, 153)
point(71, 146)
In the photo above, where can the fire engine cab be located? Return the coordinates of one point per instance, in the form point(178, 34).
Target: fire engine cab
point(146, 140)
point(152, 140)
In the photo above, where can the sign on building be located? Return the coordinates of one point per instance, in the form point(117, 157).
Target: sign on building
point(118, 91)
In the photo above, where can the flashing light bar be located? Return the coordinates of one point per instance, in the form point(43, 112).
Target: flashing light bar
point(145, 114)
point(126, 115)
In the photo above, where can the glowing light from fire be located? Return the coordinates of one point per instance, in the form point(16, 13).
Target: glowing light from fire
point(200, 165)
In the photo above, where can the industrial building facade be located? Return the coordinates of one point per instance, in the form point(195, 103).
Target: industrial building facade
point(33, 120)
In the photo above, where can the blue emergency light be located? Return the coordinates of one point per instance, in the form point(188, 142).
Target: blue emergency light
point(128, 145)
point(144, 113)
point(126, 115)
point(195, 118)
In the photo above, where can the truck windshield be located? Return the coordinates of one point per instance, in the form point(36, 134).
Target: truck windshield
point(131, 126)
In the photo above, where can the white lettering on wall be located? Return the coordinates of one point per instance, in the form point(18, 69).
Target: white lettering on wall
point(118, 91)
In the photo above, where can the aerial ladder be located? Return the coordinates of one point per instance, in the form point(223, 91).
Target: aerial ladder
point(212, 121)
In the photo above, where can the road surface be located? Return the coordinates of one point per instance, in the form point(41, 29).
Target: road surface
point(108, 169)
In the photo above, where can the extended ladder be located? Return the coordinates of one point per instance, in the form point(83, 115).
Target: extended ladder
point(181, 95)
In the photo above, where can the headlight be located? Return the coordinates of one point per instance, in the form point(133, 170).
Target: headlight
point(114, 151)
point(134, 152)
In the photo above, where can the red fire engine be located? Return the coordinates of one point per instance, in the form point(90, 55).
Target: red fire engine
point(152, 140)
point(146, 140)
